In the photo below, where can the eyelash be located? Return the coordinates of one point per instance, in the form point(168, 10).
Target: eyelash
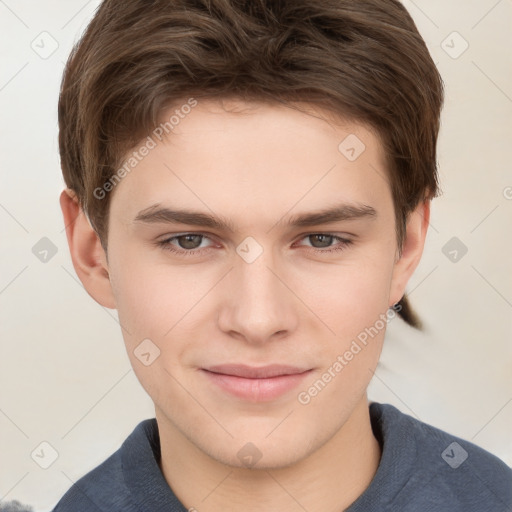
point(167, 246)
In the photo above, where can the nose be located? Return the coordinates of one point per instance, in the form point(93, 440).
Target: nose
point(259, 305)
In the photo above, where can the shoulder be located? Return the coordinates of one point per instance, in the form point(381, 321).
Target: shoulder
point(104, 487)
point(445, 471)
point(96, 490)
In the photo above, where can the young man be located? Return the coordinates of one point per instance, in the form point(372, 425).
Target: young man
point(249, 185)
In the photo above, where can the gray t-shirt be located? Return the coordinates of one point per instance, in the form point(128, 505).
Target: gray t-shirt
point(422, 469)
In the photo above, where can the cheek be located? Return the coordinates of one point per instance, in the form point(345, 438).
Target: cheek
point(357, 313)
point(164, 304)
point(349, 297)
point(152, 303)
point(151, 298)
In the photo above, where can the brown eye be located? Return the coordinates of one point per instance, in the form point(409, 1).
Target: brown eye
point(189, 241)
point(322, 243)
point(186, 244)
point(321, 239)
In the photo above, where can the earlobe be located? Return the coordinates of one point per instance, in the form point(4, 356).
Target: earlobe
point(88, 256)
point(414, 242)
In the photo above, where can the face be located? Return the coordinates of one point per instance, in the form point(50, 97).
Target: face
point(261, 319)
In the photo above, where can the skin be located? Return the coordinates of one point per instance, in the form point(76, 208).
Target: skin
point(291, 305)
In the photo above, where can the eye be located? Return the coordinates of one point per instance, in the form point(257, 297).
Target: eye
point(186, 243)
point(322, 242)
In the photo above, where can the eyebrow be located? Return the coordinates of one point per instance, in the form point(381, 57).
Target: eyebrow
point(342, 212)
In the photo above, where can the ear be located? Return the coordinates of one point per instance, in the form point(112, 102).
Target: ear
point(405, 265)
point(88, 256)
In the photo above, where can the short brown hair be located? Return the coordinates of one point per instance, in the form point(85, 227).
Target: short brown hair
point(363, 60)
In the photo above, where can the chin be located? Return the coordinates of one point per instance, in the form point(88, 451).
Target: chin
point(262, 459)
point(263, 451)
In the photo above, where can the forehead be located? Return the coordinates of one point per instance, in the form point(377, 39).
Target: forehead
point(237, 156)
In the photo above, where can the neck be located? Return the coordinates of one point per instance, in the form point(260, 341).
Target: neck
point(330, 479)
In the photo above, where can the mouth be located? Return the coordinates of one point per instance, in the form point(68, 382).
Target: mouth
point(256, 384)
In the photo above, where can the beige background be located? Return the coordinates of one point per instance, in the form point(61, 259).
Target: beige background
point(65, 377)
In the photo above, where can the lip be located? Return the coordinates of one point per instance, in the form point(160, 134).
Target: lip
point(256, 384)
